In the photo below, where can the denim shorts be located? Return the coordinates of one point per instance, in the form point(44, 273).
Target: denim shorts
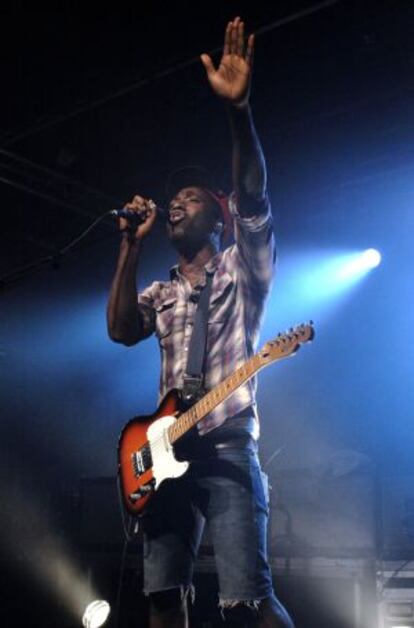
point(229, 491)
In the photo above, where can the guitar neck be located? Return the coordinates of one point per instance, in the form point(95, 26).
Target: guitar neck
point(212, 399)
point(281, 347)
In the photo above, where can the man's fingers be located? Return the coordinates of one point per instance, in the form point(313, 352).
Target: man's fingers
point(208, 64)
point(240, 39)
point(138, 202)
point(250, 51)
point(227, 35)
point(233, 36)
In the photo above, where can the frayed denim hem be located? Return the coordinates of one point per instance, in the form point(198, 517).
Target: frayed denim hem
point(252, 605)
point(186, 590)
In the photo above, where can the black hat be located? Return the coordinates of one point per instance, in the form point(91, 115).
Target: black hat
point(187, 176)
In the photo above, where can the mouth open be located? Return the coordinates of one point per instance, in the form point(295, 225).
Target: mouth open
point(176, 216)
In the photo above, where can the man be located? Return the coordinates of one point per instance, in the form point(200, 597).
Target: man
point(224, 484)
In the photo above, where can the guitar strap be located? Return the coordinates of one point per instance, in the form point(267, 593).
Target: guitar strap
point(194, 375)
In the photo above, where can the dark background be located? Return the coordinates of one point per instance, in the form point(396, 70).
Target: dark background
point(99, 105)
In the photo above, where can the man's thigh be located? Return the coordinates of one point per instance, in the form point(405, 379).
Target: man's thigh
point(172, 529)
point(237, 515)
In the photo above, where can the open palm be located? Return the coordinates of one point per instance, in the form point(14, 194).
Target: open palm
point(231, 80)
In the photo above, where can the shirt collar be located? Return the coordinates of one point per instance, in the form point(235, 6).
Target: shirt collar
point(210, 267)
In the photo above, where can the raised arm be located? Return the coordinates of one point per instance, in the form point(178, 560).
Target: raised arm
point(231, 81)
point(127, 321)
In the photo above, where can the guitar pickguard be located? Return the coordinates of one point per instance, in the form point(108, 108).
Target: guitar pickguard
point(164, 463)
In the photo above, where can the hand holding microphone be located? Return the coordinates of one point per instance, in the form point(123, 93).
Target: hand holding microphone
point(137, 217)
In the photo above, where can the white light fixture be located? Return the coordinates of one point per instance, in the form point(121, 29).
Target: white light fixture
point(96, 614)
point(371, 258)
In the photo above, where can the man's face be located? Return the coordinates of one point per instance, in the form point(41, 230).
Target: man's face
point(192, 216)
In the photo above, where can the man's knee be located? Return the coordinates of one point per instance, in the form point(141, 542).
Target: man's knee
point(239, 612)
point(262, 612)
point(169, 601)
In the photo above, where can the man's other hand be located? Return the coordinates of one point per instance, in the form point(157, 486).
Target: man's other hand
point(231, 80)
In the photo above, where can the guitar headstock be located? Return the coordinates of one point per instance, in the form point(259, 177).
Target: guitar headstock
point(287, 344)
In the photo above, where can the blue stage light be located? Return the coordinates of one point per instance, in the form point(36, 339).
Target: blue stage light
point(371, 258)
point(314, 282)
point(353, 266)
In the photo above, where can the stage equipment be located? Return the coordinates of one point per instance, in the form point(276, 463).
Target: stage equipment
point(397, 505)
point(327, 592)
point(96, 614)
point(326, 510)
point(395, 585)
point(371, 258)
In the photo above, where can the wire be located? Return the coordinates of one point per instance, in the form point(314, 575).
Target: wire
point(73, 243)
point(131, 520)
point(131, 528)
point(53, 259)
point(120, 581)
point(158, 76)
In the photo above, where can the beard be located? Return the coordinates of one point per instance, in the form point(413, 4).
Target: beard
point(191, 234)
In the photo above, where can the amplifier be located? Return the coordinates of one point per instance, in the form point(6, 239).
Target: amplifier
point(315, 512)
point(395, 586)
point(397, 504)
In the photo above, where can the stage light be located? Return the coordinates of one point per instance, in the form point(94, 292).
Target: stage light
point(371, 258)
point(96, 614)
point(356, 265)
point(316, 281)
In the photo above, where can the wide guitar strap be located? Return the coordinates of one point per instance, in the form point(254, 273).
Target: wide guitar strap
point(194, 374)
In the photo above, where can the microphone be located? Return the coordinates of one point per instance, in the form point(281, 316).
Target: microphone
point(137, 217)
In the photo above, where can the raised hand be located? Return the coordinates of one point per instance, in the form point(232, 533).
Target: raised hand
point(231, 80)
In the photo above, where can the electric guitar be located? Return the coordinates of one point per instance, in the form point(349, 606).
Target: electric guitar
point(146, 445)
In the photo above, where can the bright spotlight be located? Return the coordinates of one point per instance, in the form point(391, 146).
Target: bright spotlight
point(354, 266)
point(96, 614)
point(318, 280)
point(371, 258)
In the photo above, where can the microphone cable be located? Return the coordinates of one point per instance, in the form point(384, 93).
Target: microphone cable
point(54, 258)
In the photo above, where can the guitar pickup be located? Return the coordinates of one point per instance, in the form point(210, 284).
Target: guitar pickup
point(141, 461)
point(138, 463)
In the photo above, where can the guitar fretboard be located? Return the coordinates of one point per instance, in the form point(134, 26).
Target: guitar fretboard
point(212, 399)
point(281, 347)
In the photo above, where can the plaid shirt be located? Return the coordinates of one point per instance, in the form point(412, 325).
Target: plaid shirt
point(242, 277)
